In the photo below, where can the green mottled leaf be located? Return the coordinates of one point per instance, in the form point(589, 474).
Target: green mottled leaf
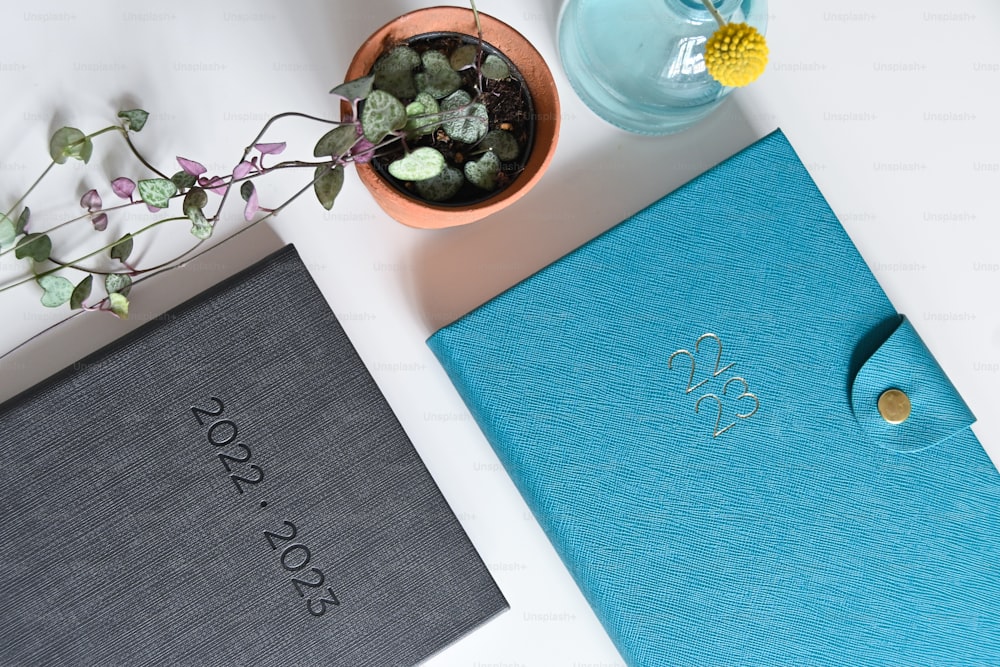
point(122, 248)
point(495, 68)
point(463, 57)
point(157, 191)
point(465, 120)
point(22, 220)
point(35, 246)
point(438, 81)
point(56, 290)
point(201, 228)
point(8, 231)
point(423, 163)
point(382, 114)
point(81, 292)
point(194, 201)
point(456, 100)
point(196, 198)
point(119, 304)
point(246, 190)
point(336, 142)
point(438, 78)
point(431, 59)
point(421, 115)
point(501, 142)
point(183, 180)
point(483, 172)
point(442, 187)
point(118, 282)
point(358, 89)
point(135, 118)
point(394, 72)
point(328, 184)
point(69, 142)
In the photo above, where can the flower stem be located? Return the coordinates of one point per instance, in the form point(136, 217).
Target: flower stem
point(710, 6)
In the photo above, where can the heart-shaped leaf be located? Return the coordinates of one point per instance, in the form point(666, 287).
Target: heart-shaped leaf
point(196, 198)
point(358, 89)
point(431, 59)
point(69, 142)
point(483, 172)
point(336, 142)
point(118, 282)
point(247, 190)
point(36, 246)
point(8, 231)
point(81, 292)
point(501, 142)
point(423, 163)
point(135, 118)
point(438, 82)
point(438, 78)
point(194, 201)
point(183, 180)
point(465, 120)
point(118, 304)
point(382, 114)
point(122, 248)
point(201, 228)
point(22, 220)
point(422, 115)
point(56, 290)
point(442, 187)
point(495, 68)
point(394, 72)
point(327, 184)
point(157, 191)
point(463, 57)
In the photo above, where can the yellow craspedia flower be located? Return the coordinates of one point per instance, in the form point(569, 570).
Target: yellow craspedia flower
point(735, 54)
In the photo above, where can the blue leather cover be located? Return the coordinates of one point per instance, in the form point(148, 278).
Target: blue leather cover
point(689, 405)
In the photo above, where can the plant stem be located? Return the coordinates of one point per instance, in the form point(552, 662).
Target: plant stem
point(33, 186)
point(475, 13)
point(710, 6)
point(73, 263)
point(140, 158)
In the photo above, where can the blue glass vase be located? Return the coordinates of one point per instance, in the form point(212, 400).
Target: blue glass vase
point(639, 64)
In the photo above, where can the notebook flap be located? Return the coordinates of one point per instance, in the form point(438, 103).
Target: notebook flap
point(902, 398)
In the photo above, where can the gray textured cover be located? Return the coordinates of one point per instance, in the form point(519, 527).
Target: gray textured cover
point(128, 537)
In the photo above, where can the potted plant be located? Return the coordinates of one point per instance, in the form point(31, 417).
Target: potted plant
point(441, 99)
point(529, 74)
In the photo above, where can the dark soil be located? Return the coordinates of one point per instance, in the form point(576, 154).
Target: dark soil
point(509, 106)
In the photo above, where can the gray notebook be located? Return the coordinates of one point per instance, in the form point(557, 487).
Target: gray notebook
point(226, 485)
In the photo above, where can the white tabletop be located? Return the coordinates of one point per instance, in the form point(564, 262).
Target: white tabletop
point(892, 106)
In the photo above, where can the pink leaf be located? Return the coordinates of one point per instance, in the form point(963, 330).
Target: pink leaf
point(252, 206)
point(242, 169)
point(363, 151)
point(100, 221)
point(191, 167)
point(152, 209)
point(270, 149)
point(214, 184)
point(123, 187)
point(91, 200)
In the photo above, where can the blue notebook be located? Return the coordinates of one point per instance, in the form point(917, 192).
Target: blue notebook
point(741, 451)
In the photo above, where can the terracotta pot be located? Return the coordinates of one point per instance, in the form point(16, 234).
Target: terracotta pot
point(428, 215)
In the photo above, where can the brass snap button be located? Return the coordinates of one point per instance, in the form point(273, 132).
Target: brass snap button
point(894, 406)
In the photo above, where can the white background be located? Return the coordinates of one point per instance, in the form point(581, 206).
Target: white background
point(893, 106)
